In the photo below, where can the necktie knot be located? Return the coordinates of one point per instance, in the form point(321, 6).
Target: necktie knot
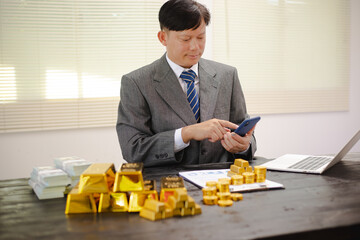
point(188, 76)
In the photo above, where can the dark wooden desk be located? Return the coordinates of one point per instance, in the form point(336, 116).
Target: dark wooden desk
point(311, 206)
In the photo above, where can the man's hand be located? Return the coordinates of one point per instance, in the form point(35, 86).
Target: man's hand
point(213, 129)
point(234, 143)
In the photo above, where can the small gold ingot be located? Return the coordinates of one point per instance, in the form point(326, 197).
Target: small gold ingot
point(237, 179)
point(168, 186)
point(210, 200)
point(248, 169)
point(190, 202)
point(173, 203)
point(137, 199)
point(209, 191)
point(151, 215)
point(231, 173)
point(237, 169)
point(104, 203)
point(177, 212)
point(80, 202)
point(154, 205)
point(241, 162)
point(227, 180)
point(129, 178)
point(224, 195)
point(211, 183)
point(223, 186)
point(186, 211)
point(236, 196)
point(97, 178)
point(119, 202)
point(196, 209)
point(180, 194)
point(225, 203)
point(260, 169)
point(259, 178)
point(168, 213)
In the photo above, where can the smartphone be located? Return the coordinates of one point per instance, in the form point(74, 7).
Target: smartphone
point(246, 126)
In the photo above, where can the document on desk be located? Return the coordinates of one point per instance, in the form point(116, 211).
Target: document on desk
point(199, 178)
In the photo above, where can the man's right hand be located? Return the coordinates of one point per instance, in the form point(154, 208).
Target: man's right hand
point(213, 130)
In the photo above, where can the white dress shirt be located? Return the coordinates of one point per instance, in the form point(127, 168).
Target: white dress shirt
point(179, 143)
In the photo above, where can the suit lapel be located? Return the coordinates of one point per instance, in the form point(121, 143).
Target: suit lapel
point(208, 91)
point(168, 87)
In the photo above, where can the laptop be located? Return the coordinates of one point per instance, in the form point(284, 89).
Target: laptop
point(308, 163)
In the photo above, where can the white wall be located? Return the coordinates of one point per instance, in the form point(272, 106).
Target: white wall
point(307, 133)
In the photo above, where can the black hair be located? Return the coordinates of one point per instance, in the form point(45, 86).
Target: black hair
point(179, 15)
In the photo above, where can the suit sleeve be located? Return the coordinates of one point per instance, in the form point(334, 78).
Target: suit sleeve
point(137, 140)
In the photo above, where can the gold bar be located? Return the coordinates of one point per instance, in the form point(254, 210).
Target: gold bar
point(129, 178)
point(241, 162)
point(80, 202)
point(196, 209)
point(137, 199)
point(119, 202)
point(151, 215)
point(97, 178)
point(104, 203)
point(237, 169)
point(209, 191)
point(154, 205)
point(231, 173)
point(180, 194)
point(168, 186)
point(173, 203)
point(190, 202)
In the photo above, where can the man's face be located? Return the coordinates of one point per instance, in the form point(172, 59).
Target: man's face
point(184, 47)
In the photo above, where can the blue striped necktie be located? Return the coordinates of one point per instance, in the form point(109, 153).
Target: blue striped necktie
point(192, 95)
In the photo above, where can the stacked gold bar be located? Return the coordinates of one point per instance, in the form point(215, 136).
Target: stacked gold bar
point(94, 182)
point(260, 173)
point(169, 185)
point(153, 210)
point(174, 201)
point(102, 190)
point(137, 199)
point(241, 173)
point(218, 193)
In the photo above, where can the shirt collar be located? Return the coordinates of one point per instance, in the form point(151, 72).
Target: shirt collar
point(178, 69)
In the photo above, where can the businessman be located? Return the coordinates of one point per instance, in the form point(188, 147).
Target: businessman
point(180, 109)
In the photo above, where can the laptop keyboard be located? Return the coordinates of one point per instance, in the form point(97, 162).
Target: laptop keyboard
point(311, 163)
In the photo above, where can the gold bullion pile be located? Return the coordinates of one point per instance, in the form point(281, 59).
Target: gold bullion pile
point(101, 189)
point(218, 192)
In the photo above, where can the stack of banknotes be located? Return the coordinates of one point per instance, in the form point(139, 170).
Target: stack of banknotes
point(49, 182)
point(73, 166)
point(55, 181)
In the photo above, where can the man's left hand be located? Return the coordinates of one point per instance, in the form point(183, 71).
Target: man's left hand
point(234, 143)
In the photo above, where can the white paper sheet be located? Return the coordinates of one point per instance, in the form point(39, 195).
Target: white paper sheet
point(200, 178)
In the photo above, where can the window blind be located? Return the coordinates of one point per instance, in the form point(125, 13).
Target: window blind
point(291, 55)
point(61, 61)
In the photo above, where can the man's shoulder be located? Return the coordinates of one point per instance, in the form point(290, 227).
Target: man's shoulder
point(217, 66)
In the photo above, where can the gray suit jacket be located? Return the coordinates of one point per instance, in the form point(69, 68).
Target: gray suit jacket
point(153, 105)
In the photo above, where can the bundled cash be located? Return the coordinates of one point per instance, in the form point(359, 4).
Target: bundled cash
point(49, 182)
point(73, 166)
point(43, 192)
point(50, 176)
